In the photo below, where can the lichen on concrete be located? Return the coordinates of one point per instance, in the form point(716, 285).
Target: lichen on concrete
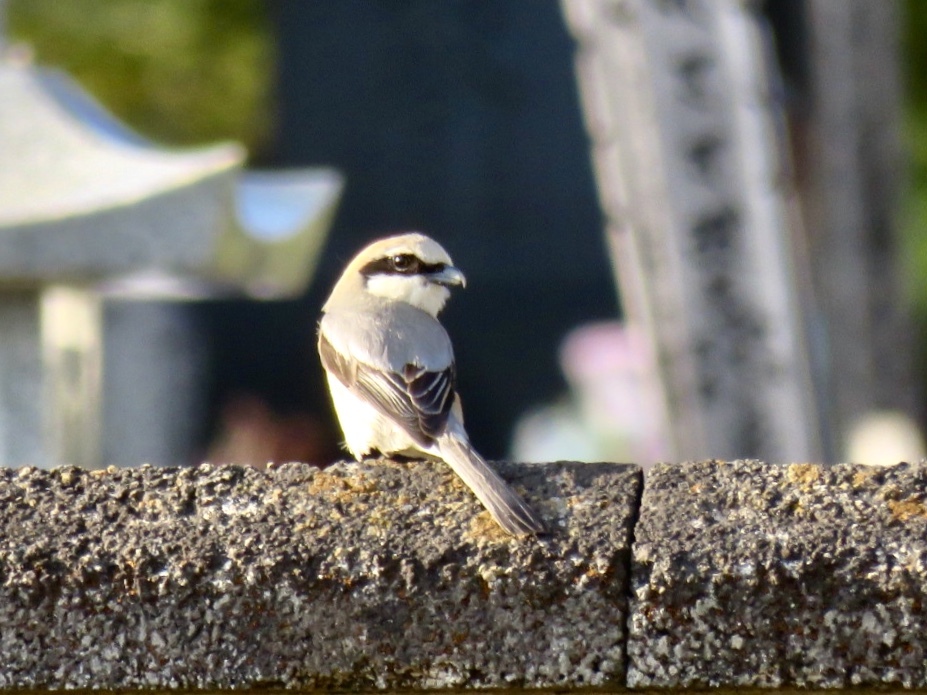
point(364, 576)
point(749, 574)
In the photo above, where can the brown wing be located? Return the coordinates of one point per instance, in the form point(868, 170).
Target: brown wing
point(417, 399)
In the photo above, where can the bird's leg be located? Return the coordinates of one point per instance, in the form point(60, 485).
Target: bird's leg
point(377, 455)
point(402, 458)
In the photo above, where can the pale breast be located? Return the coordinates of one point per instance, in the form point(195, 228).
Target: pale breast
point(365, 429)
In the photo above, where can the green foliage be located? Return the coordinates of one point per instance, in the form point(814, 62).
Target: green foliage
point(914, 238)
point(915, 50)
point(179, 71)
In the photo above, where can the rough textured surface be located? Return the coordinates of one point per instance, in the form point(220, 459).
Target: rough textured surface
point(364, 576)
point(748, 574)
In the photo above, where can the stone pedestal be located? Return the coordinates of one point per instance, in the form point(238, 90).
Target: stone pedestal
point(154, 361)
point(21, 432)
point(124, 380)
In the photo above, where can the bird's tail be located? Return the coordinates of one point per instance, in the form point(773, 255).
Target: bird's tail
point(507, 508)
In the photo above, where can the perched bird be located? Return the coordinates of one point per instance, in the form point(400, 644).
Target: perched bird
point(390, 368)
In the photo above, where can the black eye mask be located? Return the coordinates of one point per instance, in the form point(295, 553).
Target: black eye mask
point(401, 264)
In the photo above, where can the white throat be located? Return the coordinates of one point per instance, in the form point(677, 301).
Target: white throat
point(412, 289)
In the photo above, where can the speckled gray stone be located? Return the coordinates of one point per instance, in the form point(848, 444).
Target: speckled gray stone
point(362, 576)
point(749, 574)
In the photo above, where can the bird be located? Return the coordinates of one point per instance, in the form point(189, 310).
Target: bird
point(391, 373)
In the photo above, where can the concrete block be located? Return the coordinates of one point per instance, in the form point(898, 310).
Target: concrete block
point(749, 574)
point(374, 576)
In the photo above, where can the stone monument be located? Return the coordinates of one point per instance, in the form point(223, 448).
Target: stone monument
point(693, 180)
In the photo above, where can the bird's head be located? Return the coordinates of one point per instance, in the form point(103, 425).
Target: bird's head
point(410, 268)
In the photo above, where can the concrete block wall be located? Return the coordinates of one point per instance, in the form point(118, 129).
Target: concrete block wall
point(385, 576)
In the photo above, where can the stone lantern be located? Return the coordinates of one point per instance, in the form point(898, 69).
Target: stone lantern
point(105, 239)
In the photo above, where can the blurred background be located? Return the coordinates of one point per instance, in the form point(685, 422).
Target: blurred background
point(475, 121)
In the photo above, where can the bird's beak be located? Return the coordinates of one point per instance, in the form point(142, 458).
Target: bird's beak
point(447, 276)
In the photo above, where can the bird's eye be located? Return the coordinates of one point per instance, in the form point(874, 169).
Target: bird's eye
point(405, 263)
